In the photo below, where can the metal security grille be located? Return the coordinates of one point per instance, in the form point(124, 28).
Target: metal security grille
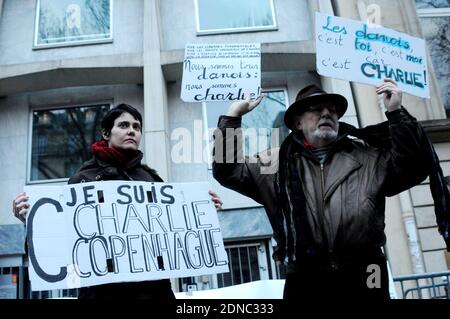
point(23, 287)
point(244, 266)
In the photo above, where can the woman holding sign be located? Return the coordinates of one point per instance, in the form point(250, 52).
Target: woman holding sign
point(117, 157)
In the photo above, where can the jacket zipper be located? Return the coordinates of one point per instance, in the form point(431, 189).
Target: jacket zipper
point(128, 176)
point(332, 264)
point(322, 179)
point(322, 206)
point(293, 229)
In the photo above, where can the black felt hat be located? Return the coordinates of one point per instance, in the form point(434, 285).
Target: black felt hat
point(312, 95)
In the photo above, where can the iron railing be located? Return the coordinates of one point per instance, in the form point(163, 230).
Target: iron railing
point(434, 285)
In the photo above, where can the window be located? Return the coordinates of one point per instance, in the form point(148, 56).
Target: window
point(62, 139)
point(432, 4)
point(268, 118)
point(259, 124)
point(225, 16)
point(72, 22)
point(263, 128)
point(434, 16)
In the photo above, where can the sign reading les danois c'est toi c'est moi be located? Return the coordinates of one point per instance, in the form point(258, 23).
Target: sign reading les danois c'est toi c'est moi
point(356, 51)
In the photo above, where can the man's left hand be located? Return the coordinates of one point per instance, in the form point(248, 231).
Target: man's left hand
point(392, 95)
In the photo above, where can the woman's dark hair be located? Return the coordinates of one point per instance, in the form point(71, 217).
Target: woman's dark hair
point(115, 112)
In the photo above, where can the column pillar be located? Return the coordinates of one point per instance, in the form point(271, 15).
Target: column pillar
point(156, 129)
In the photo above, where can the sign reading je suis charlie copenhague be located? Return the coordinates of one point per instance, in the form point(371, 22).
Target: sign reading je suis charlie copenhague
point(115, 231)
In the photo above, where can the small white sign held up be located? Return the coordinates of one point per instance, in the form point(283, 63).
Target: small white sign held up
point(355, 51)
point(115, 231)
point(221, 72)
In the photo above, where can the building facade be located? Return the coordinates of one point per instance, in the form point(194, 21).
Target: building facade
point(64, 63)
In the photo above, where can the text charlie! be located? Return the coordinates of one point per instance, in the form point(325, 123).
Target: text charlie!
point(93, 233)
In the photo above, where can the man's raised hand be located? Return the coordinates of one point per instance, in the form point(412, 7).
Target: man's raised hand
point(242, 107)
point(392, 97)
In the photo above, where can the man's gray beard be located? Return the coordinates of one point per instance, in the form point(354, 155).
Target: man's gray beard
point(325, 135)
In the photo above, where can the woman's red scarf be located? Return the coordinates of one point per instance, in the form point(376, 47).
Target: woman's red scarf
point(102, 151)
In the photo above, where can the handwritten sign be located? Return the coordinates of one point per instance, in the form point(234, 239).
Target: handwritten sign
point(355, 51)
point(102, 232)
point(221, 72)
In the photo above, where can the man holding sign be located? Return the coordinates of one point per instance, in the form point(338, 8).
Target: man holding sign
point(325, 195)
point(117, 157)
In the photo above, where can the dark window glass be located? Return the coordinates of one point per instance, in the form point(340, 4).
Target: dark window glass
point(230, 15)
point(436, 31)
point(236, 272)
point(254, 264)
point(65, 22)
point(432, 4)
point(62, 140)
point(245, 264)
point(259, 124)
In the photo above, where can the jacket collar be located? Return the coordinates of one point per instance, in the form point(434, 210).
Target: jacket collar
point(340, 143)
point(136, 161)
point(105, 163)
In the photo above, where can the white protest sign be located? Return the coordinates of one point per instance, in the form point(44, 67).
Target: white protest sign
point(102, 232)
point(221, 72)
point(355, 51)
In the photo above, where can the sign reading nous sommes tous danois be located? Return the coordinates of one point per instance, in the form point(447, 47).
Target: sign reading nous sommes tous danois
point(221, 72)
point(102, 232)
point(355, 51)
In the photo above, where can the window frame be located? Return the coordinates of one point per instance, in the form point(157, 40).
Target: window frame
point(200, 32)
point(210, 144)
point(433, 12)
point(37, 46)
point(234, 199)
point(30, 137)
